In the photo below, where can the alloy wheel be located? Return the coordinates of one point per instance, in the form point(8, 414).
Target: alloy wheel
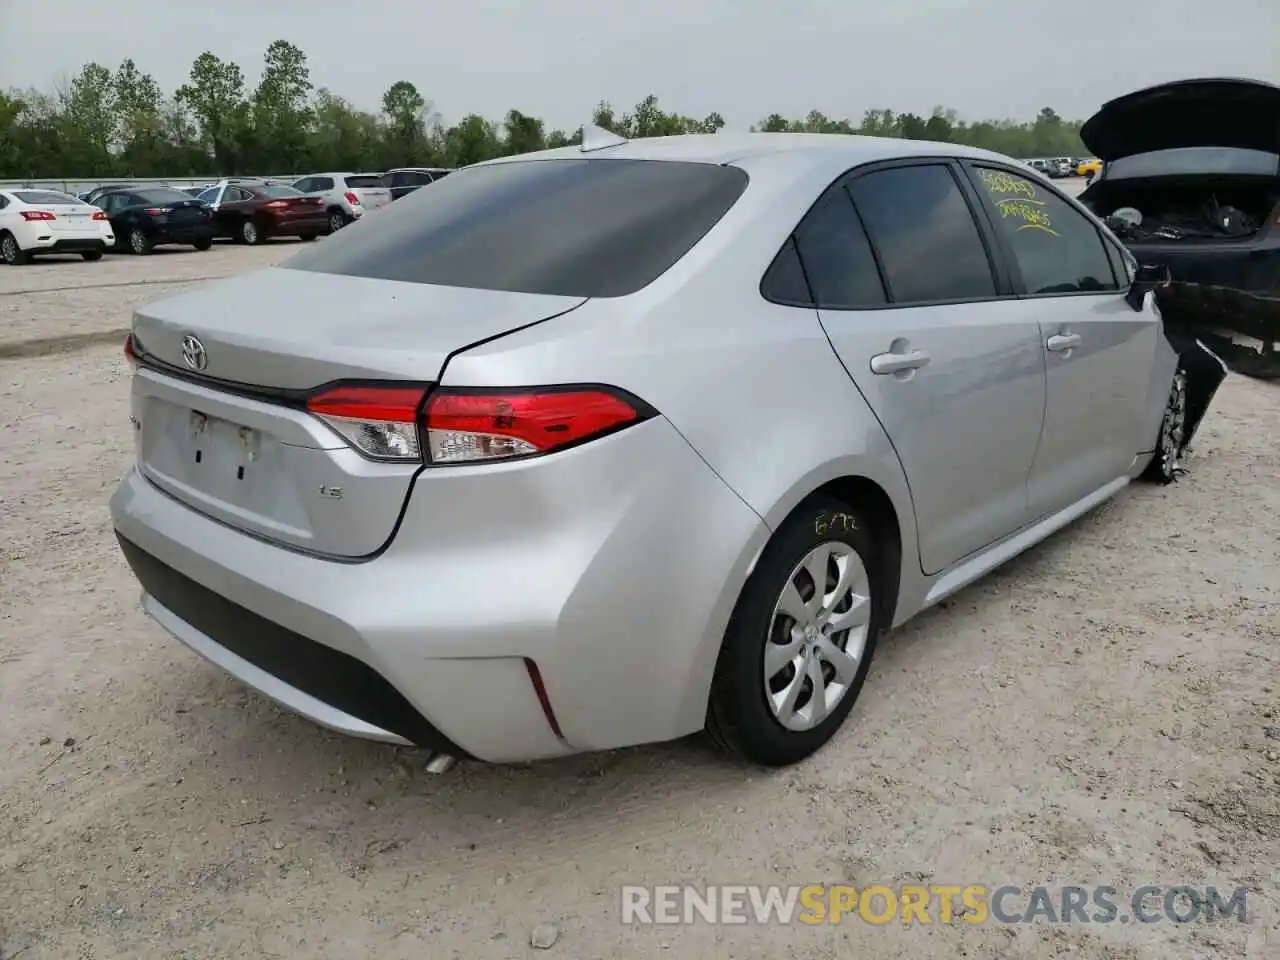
point(336, 222)
point(817, 636)
point(1173, 428)
point(138, 242)
point(9, 250)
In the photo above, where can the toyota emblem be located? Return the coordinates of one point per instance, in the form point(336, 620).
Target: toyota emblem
point(193, 353)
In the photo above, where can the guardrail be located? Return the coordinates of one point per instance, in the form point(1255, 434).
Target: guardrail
point(80, 186)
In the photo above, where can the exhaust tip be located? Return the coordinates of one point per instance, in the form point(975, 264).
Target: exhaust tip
point(441, 763)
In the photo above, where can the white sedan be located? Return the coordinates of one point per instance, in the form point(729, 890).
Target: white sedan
point(46, 221)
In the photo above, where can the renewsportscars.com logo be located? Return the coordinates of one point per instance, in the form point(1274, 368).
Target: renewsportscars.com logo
point(937, 903)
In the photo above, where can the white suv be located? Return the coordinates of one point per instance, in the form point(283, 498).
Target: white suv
point(347, 196)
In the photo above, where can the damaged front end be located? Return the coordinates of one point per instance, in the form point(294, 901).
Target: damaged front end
point(1191, 185)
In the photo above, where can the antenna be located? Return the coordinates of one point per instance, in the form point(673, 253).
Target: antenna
point(597, 138)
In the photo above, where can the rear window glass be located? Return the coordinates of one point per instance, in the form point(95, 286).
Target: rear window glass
point(161, 195)
point(364, 181)
point(277, 190)
point(578, 228)
point(45, 196)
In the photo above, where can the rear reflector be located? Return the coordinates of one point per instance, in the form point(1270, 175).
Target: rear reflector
point(465, 426)
point(379, 422)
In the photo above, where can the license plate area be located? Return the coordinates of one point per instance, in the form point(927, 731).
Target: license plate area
point(230, 470)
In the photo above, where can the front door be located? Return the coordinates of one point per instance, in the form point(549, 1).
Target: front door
point(953, 371)
point(1097, 349)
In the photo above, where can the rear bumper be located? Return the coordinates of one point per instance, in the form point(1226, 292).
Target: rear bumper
point(183, 234)
point(613, 567)
point(73, 244)
point(296, 227)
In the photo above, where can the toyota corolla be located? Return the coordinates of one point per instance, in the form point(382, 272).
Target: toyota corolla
point(610, 444)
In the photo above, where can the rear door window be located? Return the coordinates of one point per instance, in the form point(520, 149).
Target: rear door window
point(836, 255)
point(924, 233)
point(321, 183)
point(580, 228)
point(1055, 247)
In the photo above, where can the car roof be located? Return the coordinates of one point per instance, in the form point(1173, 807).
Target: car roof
point(741, 148)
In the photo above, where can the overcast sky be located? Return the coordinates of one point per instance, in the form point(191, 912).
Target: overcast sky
point(744, 58)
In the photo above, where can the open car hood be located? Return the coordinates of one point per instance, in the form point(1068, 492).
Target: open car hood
point(1243, 114)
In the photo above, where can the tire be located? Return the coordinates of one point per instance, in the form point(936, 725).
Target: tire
point(91, 255)
point(204, 243)
point(250, 233)
point(140, 243)
point(307, 237)
point(1172, 439)
point(742, 718)
point(337, 220)
point(11, 253)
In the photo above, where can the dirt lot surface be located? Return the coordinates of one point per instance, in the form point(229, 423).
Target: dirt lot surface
point(1104, 710)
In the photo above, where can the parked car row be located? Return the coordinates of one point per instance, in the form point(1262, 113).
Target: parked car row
point(1058, 167)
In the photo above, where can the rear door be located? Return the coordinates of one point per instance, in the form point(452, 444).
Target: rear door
point(916, 307)
point(1098, 350)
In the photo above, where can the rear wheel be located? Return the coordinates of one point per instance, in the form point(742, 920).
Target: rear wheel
point(337, 220)
point(1163, 467)
point(204, 243)
point(139, 242)
point(250, 233)
point(91, 255)
point(10, 252)
point(801, 637)
point(307, 237)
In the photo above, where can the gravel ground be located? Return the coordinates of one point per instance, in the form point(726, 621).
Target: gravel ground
point(1104, 710)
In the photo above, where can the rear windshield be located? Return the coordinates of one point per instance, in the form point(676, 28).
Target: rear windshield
point(161, 195)
point(277, 190)
point(364, 180)
point(577, 228)
point(45, 196)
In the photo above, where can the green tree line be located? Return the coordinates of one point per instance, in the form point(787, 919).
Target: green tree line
point(109, 123)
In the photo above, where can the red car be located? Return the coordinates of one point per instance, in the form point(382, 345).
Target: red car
point(250, 212)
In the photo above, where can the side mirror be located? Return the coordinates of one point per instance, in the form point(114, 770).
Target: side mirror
point(1147, 277)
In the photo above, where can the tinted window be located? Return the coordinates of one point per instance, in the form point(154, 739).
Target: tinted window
point(162, 195)
point(928, 243)
point(4, 202)
point(44, 196)
point(277, 190)
point(210, 195)
point(304, 185)
point(362, 180)
point(1057, 249)
point(581, 228)
point(321, 183)
point(784, 281)
point(836, 256)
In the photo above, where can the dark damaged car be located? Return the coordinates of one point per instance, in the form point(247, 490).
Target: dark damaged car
point(1191, 185)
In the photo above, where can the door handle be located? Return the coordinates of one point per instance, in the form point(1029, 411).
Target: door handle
point(1062, 342)
point(886, 363)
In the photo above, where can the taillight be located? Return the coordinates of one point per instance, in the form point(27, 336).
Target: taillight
point(156, 211)
point(351, 197)
point(380, 422)
point(276, 204)
point(30, 215)
point(466, 425)
point(99, 215)
point(469, 426)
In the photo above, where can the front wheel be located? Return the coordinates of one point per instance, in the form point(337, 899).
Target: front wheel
point(801, 637)
point(307, 237)
point(91, 255)
point(250, 233)
point(1163, 467)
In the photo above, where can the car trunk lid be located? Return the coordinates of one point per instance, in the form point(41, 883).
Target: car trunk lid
point(219, 401)
point(370, 191)
point(1241, 114)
